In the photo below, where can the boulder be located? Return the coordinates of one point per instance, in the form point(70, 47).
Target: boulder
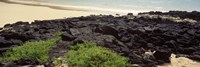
point(192, 31)
point(15, 35)
point(4, 43)
point(1, 29)
point(26, 62)
point(194, 57)
point(7, 25)
point(148, 28)
point(150, 45)
point(21, 23)
point(16, 42)
point(188, 50)
point(79, 31)
point(107, 30)
point(162, 55)
point(67, 37)
point(130, 14)
point(135, 59)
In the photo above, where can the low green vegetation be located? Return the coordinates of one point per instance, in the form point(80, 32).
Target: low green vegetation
point(37, 50)
point(86, 54)
point(90, 55)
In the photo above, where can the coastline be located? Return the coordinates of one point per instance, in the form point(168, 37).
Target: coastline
point(73, 7)
point(11, 13)
point(41, 4)
point(28, 11)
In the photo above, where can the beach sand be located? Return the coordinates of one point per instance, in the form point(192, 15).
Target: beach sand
point(11, 13)
point(19, 10)
point(181, 62)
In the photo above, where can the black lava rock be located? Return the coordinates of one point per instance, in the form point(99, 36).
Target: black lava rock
point(162, 55)
point(67, 37)
point(130, 36)
point(194, 57)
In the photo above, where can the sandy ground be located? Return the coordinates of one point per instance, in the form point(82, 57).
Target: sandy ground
point(19, 10)
point(10, 13)
point(181, 62)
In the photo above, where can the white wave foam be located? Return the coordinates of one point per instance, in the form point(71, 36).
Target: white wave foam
point(76, 8)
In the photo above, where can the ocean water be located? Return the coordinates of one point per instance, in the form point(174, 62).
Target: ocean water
point(187, 5)
point(131, 5)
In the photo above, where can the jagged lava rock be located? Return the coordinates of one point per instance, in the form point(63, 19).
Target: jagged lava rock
point(130, 36)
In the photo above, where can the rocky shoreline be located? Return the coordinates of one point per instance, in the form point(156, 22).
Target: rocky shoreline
point(145, 39)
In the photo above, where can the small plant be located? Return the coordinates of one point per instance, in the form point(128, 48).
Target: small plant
point(90, 55)
point(57, 62)
point(37, 50)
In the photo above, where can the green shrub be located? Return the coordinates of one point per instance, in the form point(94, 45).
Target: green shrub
point(35, 50)
point(90, 55)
